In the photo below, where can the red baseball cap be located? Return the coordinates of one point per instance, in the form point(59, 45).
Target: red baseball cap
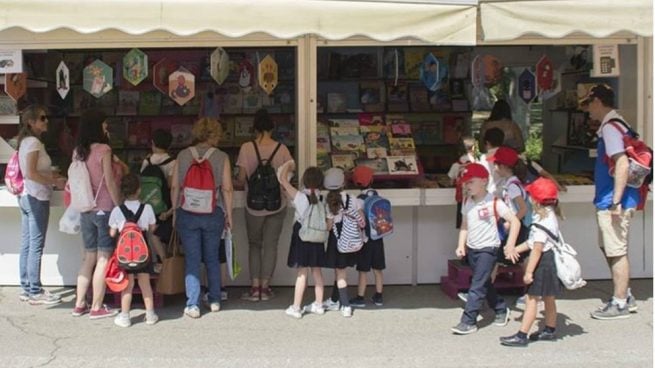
point(115, 277)
point(474, 170)
point(362, 176)
point(505, 156)
point(542, 190)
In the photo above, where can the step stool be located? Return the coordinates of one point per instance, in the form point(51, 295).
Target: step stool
point(508, 278)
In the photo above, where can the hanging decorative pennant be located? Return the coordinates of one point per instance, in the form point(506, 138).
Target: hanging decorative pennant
point(545, 75)
point(246, 75)
point(429, 72)
point(527, 86)
point(160, 73)
point(63, 80)
point(15, 85)
point(220, 65)
point(98, 78)
point(268, 74)
point(181, 86)
point(135, 66)
point(477, 71)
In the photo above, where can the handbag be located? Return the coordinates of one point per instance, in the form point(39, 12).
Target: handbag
point(171, 278)
point(69, 222)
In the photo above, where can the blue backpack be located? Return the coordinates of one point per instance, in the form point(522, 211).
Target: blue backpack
point(527, 219)
point(377, 213)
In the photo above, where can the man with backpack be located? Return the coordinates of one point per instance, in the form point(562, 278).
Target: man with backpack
point(615, 202)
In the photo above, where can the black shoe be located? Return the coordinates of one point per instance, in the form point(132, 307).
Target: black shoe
point(377, 299)
point(358, 302)
point(514, 340)
point(543, 335)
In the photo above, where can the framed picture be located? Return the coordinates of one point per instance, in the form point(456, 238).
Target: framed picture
point(577, 129)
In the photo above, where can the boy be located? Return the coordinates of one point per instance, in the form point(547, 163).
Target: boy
point(479, 241)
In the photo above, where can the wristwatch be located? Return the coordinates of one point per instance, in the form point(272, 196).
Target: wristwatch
point(614, 205)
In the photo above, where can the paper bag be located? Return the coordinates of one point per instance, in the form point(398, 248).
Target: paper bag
point(171, 278)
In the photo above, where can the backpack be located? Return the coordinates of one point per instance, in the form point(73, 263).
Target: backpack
point(377, 213)
point(263, 185)
point(13, 175)
point(569, 271)
point(79, 186)
point(531, 173)
point(350, 239)
point(154, 186)
point(313, 226)
point(527, 219)
point(199, 188)
point(132, 250)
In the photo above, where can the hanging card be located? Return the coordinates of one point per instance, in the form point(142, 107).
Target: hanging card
point(527, 86)
point(545, 75)
point(98, 78)
point(16, 85)
point(267, 74)
point(63, 80)
point(220, 65)
point(160, 73)
point(181, 86)
point(135, 66)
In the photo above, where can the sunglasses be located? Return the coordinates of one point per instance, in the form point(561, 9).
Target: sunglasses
point(43, 118)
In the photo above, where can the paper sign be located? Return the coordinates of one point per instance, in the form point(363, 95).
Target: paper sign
point(268, 74)
point(98, 78)
point(63, 80)
point(606, 61)
point(16, 85)
point(11, 61)
point(135, 66)
point(181, 86)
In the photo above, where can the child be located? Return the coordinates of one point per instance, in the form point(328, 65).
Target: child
point(130, 188)
point(304, 255)
point(470, 155)
point(540, 273)
point(372, 253)
point(161, 142)
point(479, 241)
point(337, 201)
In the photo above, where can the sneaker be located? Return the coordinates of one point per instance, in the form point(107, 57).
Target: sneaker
point(79, 311)
point(23, 296)
point(611, 311)
point(192, 311)
point(123, 320)
point(632, 304)
point(252, 295)
point(266, 294)
point(514, 340)
point(293, 312)
point(463, 297)
point(103, 312)
point(151, 318)
point(214, 307)
point(347, 311)
point(520, 302)
point(330, 305)
point(44, 297)
point(502, 318)
point(314, 308)
point(358, 302)
point(223, 294)
point(377, 299)
point(543, 335)
point(464, 329)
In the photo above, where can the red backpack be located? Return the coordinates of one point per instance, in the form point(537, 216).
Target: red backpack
point(199, 188)
point(132, 250)
point(13, 175)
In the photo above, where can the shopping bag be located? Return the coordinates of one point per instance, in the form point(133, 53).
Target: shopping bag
point(171, 278)
point(69, 222)
point(233, 267)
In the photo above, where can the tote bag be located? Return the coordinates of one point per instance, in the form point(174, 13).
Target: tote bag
point(171, 278)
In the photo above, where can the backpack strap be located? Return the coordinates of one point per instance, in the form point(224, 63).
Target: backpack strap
point(548, 232)
point(195, 155)
point(274, 152)
point(165, 162)
point(259, 157)
point(618, 123)
point(129, 215)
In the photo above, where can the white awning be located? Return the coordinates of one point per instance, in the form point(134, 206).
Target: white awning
point(509, 20)
point(444, 23)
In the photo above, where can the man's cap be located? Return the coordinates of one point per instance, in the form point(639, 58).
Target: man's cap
point(334, 179)
point(474, 170)
point(601, 91)
point(505, 156)
point(362, 176)
point(543, 191)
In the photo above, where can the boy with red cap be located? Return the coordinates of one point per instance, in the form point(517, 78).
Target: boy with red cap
point(372, 253)
point(540, 272)
point(479, 241)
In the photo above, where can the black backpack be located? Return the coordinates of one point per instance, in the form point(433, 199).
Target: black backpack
point(263, 186)
point(154, 186)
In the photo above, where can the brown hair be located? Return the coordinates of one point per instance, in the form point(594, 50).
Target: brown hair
point(334, 201)
point(205, 129)
point(31, 113)
point(540, 208)
point(312, 179)
point(130, 185)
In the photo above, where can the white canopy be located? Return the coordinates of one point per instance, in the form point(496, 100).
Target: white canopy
point(508, 20)
point(442, 23)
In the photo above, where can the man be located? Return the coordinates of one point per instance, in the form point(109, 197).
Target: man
point(493, 139)
point(615, 202)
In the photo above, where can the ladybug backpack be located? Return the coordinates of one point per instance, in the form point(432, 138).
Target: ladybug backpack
point(132, 250)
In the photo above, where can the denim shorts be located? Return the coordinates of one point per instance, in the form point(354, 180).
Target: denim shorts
point(95, 232)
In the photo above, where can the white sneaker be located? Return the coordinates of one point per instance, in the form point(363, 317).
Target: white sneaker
point(214, 307)
point(347, 311)
point(123, 320)
point(192, 311)
point(315, 308)
point(151, 318)
point(293, 312)
point(330, 305)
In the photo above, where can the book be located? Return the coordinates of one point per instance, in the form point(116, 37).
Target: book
point(427, 133)
point(284, 130)
point(344, 130)
point(323, 138)
point(371, 96)
point(8, 106)
point(182, 136)
point(367, 119)
point(413, 58)
point(379, 166)
point(252, 101)
point(138, 133)
point(243, 128)
point(418, 98)
point(402, 165)
point(233, 99)
point(376, 152)
point(400, 128)
point(192, 107)
point(323, 160)
point(343, 161)
point(227, 126)
point(397, 97)
point(336, 102)
point(128, 103)
point(170, 107)
point(376, 141)
point(150, 103)
point(402, 146)
point(344, 123)
point(453, 129)
point(344, 143)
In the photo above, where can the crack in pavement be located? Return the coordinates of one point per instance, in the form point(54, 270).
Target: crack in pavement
point(55, 341)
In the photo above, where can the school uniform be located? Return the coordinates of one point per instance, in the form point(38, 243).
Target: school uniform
point(117, 221)
point(334, 258)
point(546, 282)
point(302, 253)
point(372, 253)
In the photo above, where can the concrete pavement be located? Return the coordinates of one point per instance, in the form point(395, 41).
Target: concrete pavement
point(411, 330)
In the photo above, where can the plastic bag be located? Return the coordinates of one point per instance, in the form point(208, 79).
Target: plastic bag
point(70, 221)
point(233, 267)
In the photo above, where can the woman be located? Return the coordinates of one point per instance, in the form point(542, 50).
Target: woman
point(105, 171)
point(201, 233)
point(263, 227)
point(34, 203)
point(501, 117)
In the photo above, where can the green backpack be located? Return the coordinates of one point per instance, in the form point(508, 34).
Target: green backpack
point(154, 186)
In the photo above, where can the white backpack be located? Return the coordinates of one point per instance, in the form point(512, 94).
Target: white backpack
point(79, 186)
point(569, 271)
point(350, 239)
point(313, 226)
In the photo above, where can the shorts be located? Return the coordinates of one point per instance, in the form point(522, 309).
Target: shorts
point(613, 232)
point(95, 231)
point(164, 229)
point(371, 256)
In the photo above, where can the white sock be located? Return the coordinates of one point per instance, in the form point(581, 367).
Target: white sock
point(620, 302)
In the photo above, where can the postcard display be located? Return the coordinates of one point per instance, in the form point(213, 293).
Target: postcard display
point(142, 90)
point(400, 111)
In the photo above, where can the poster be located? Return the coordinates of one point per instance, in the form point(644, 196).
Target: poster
point(135, 66)
point(181, 86)
point(63, 80)
point(16, 85)
point(267, 74)
point(11, 61)
point(606, 61)
point(98, 78)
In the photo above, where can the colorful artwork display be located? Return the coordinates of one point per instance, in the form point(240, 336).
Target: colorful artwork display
point(98, 78)
point(135, 66)
point(160, 73)
point(181, 86)
point(268, 74)
point(63, 80)
point(219, 65)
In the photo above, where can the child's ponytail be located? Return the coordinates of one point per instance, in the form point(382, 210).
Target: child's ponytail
point(312, 179)
point(334, 201)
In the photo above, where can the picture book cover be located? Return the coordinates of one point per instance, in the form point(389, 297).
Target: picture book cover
point(376, 152)
point(323, 161)
point(149, 103)
point(413, 61)
point(343, 161)
point(227, 138)
point(344, 123)
point(243, 128)
point(336, 102)
point(427, 133)
point(170, 107)
point(128, 103)
point(379, 165)
point(401, 128)
point(233, 99)
point(374, 139)
point(344, 130)
point(368, 119)
point(397, 97)
point(352, 143)
point(138, 133)
point(453, 129)
point(323, 137)
point(371, 96)
point(402, 165)
point(252, 101)
point(418, 98)
point(381, 129)
point(182, 136)
point(402, 146)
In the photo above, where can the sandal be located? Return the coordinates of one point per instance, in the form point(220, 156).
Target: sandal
point(253, 295)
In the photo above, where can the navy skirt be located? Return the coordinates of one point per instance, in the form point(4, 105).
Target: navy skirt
point(545, 278)
point(304, 254)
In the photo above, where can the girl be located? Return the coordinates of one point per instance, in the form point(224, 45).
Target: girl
point(540, 273)
point(469, 155)
point(304, 255)
point(337, 201)
point(131, 189)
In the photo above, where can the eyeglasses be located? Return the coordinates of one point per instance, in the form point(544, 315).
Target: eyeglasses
point(43, 118)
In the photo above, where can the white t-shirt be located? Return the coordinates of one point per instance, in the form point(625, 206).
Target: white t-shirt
point(512, 189)
point(158, 158)
point(481, 221)
point(301, 203)
point(354, 203)
point(117, 220)
point(613, 137)
point(537, 235)
point(43, 164)
point(453, 173)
